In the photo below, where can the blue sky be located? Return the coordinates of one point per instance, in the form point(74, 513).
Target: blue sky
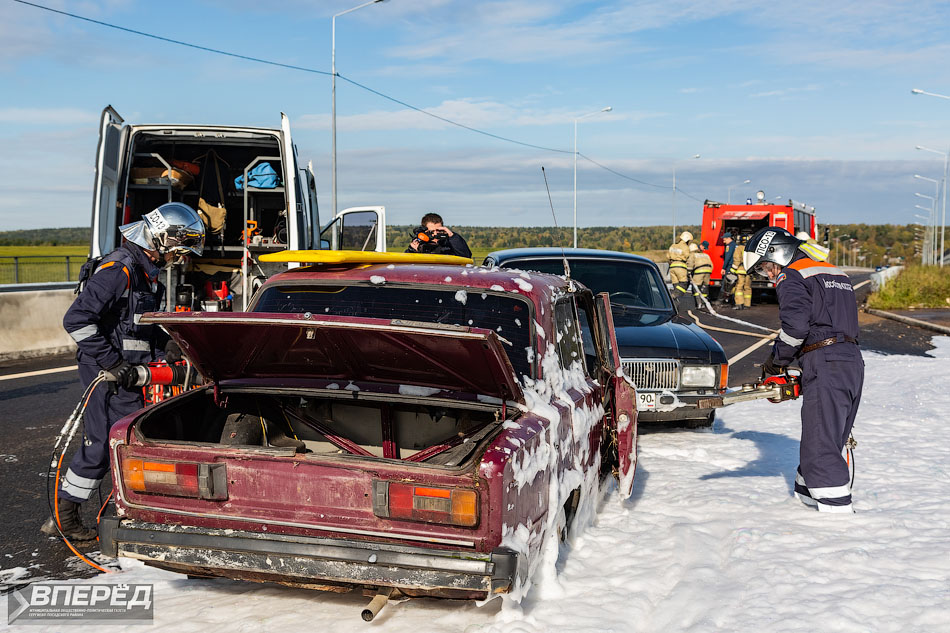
point(808, 100)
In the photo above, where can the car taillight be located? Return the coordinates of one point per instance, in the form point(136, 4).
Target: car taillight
point(176, 479)
point(454, 506)
point(723, 375)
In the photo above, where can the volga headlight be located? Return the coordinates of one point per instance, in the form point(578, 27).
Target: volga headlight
point(698, 376)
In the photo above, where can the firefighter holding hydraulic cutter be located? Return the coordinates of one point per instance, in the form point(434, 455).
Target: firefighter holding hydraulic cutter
point(819, 317)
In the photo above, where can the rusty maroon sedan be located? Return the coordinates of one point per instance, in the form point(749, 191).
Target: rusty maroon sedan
point(414, 429)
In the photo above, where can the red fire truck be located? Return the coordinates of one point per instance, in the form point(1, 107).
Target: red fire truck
point(742, 220)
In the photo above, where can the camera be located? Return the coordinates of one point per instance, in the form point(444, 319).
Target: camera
point(429, 241)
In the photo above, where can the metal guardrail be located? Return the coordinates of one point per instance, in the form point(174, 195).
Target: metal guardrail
point(31, 269)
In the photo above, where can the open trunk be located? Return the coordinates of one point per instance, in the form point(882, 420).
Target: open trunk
point(332, 423)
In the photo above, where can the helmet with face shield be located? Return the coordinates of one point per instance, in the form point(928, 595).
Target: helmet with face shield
point(171, 228)
point(771, 244)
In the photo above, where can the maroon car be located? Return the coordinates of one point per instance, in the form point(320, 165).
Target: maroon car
point(413, 429)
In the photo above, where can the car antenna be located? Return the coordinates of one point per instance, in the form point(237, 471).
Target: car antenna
point(567, 268)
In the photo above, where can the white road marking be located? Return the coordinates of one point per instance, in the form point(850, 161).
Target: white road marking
point(40, 372)
point(752, 348)
point(866, 281)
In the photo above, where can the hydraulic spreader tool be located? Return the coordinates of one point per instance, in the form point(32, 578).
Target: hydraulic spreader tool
point(785, 386)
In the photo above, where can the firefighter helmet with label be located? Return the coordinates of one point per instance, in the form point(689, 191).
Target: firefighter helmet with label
point(171, 228)
point(686, 236)
point(771, 244)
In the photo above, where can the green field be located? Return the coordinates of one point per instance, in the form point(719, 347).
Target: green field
point(914, 287)
point(36, 264)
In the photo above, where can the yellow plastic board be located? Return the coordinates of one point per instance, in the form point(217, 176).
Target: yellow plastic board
point(362, 257)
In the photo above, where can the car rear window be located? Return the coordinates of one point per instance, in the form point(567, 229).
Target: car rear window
point(507, 315)
point(628, 283)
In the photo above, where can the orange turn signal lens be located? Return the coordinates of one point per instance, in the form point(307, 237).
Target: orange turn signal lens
point(724, 375)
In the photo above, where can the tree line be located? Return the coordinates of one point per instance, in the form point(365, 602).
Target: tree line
point(878, 243)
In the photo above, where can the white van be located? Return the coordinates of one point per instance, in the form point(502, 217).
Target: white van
point(139, 167)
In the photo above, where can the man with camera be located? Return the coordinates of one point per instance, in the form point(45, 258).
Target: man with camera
point(432, 237)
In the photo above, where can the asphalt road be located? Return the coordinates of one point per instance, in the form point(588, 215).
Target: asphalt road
point(34, 408)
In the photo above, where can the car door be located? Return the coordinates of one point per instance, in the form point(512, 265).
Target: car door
point(105, 198)
point(622, 399)
point(356, 229)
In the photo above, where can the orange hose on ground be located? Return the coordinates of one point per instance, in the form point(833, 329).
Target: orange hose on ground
point(60, 525)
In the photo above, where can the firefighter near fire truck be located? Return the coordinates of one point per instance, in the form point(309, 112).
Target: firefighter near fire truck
point(678, 256)
point(819, 329)
point(700, 267)
point(742, 294)
point(115, 348)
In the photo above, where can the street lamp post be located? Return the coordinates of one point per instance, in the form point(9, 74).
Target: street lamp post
point(934, 215)
point(583, 116)
point(933, 225)
point(333, 95)
point(731, 187)
point(694, 156)
point(918, 91)
point(946, 179)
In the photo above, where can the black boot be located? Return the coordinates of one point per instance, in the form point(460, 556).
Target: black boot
point(69, 522)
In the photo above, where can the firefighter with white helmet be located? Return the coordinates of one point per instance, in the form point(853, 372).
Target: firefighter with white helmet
point(678, 256)
point(819, 318)
point(742, 295)
point(104, 321)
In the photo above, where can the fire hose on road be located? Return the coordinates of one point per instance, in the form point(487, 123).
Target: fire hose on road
point(146, 375)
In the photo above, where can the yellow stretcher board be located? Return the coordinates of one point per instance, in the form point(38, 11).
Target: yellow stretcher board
point(362, 257)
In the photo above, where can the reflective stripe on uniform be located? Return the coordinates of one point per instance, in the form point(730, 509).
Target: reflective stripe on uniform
point(84, 332)
point(677, 264)
point(79, 487)
point(702, 270)
point(136, 318)
point(846, 509)
point(809, 268)
point(133, 345)
point(831, 492)
point(788, 339)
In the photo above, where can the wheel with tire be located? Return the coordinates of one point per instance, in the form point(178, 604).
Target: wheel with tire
point(702, 423)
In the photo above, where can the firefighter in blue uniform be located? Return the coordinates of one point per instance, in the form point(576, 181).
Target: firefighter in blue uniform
point(819, 318)
point(104, 322)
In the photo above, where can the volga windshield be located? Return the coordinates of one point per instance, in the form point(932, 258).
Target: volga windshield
point(509, 316)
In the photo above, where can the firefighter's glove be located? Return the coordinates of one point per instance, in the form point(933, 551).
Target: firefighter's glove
point(125, 375)
point(771, 368)
point(172, 352)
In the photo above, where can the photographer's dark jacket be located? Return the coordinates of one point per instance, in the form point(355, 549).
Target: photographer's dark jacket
point(104, 318)
point(454, 245)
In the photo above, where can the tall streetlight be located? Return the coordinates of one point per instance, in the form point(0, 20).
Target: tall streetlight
point(946, 178)
point(583, 116)
point(934, 215)
point(731, 187)
point(333, 93)
point(838, 239)
point(693, 157)
point(933, 224)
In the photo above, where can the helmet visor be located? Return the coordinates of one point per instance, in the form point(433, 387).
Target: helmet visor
point(184, 240)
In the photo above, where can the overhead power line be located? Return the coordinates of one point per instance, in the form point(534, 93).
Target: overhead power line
point(346, 79)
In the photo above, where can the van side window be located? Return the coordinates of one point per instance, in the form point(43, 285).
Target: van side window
point(569, 342)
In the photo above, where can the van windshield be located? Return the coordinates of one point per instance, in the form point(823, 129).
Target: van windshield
point(506, 315)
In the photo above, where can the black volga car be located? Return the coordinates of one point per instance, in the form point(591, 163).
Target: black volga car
point(672, 361)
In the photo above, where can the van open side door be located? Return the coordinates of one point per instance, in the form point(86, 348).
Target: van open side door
point(295, 205)
point(105, 197)
point(623, 410)
point(356, 229)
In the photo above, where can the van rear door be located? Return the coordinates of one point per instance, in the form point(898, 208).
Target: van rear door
point(105, 197)
point(295, 206)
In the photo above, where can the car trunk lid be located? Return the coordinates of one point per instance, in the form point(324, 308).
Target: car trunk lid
point(229, 346)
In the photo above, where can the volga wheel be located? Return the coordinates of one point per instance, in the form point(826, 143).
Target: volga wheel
point(702, 423)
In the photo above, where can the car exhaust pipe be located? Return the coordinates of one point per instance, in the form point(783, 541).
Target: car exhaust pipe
point(377, 603)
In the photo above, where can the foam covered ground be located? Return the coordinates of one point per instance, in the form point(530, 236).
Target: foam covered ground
point(711, 539)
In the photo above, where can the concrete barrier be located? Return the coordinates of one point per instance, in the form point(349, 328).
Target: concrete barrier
point(31, 323)
point(880, 279)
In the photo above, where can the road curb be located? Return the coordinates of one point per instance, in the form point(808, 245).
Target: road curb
point(909, 321)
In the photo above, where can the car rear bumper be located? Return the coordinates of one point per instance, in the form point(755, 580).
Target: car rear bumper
point(315, 562)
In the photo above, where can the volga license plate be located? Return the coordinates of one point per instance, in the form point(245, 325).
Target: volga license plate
point(646, 401)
